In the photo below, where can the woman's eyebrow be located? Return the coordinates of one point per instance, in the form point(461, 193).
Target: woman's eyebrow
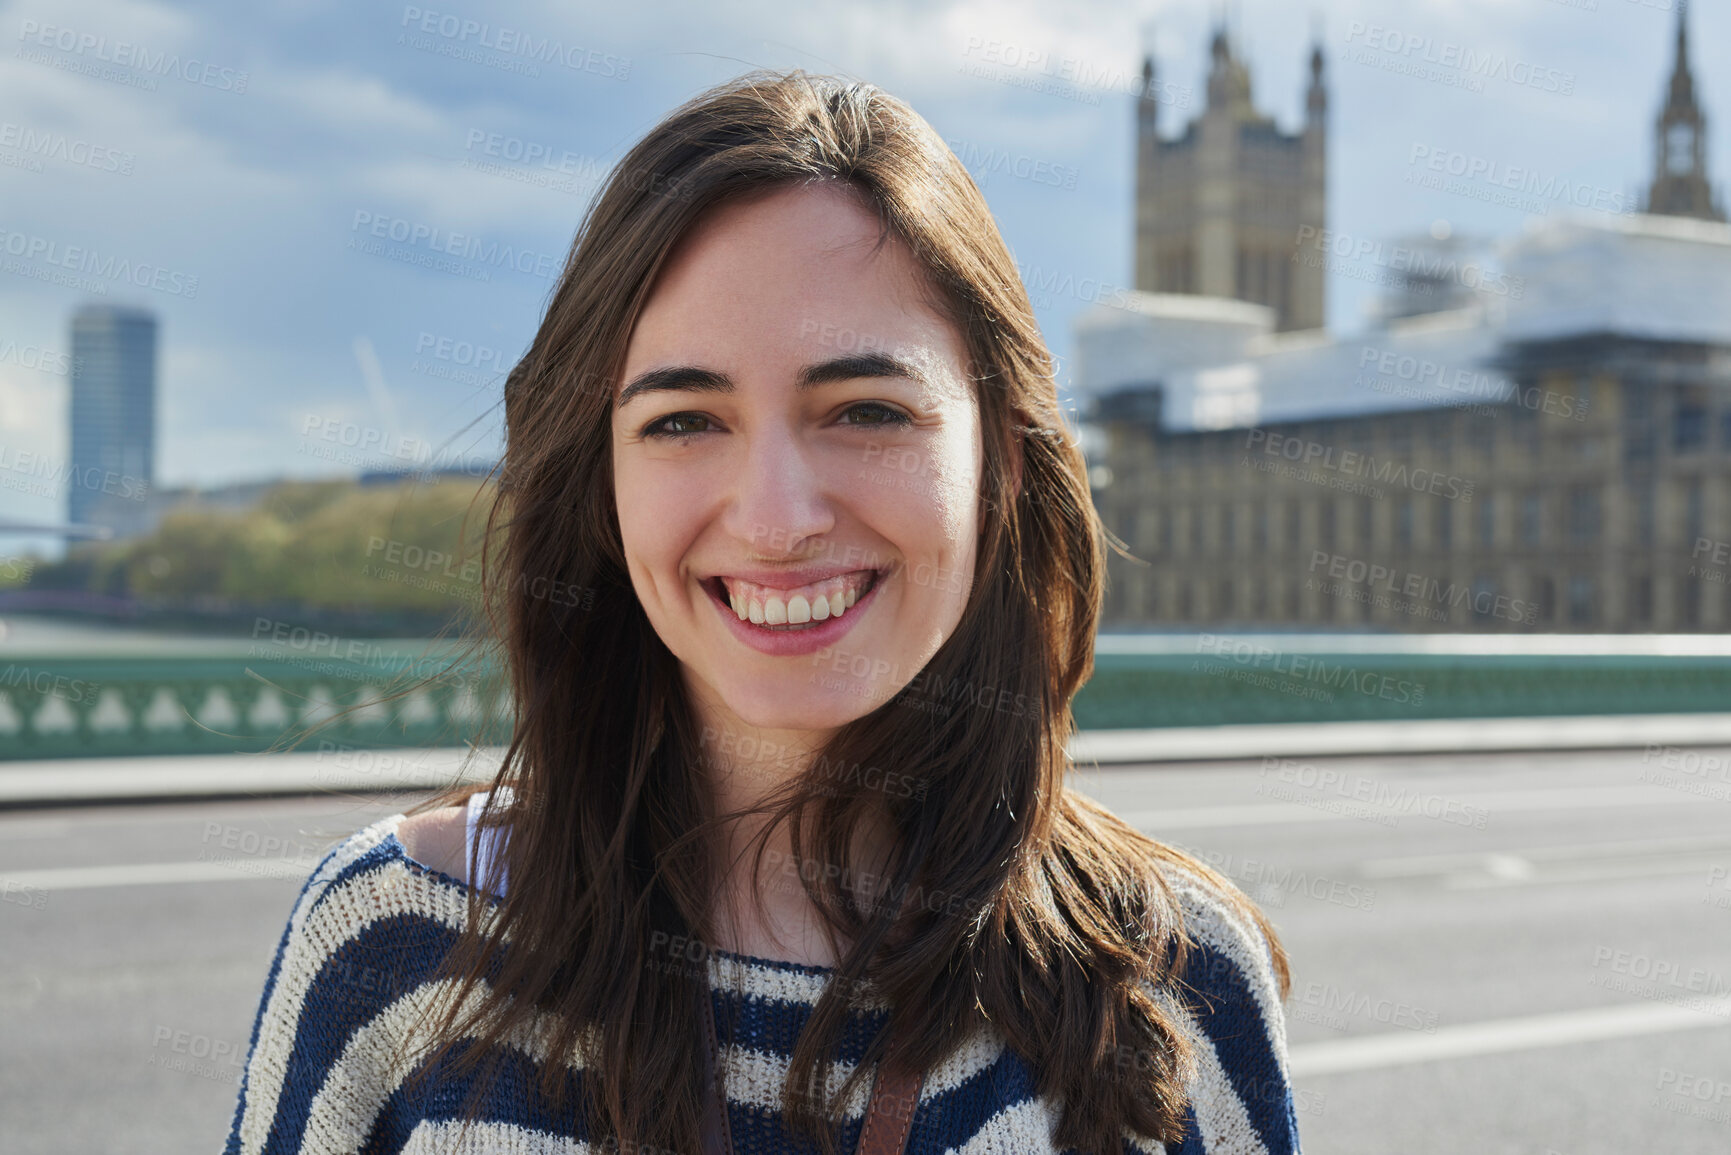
point(850, 368)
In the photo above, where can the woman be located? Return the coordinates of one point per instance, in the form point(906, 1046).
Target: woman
point(780, 856)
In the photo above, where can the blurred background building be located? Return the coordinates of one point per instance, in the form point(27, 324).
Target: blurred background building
point(113, 415)
point(1217, 207)
point(1529, 436)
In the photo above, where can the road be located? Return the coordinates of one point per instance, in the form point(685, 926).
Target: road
point(1509, 954)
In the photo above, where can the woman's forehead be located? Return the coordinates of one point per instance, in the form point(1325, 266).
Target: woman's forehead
point(798, 275)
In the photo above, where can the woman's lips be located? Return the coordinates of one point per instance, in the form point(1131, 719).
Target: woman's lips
point(796, 639)
point(791, 608)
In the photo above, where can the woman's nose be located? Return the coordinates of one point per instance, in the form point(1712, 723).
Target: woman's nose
point(782, 493)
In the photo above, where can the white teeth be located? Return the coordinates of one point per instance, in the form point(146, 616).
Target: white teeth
point(817, 602)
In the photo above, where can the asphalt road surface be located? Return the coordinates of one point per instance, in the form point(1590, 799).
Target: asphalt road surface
point(1505, 954)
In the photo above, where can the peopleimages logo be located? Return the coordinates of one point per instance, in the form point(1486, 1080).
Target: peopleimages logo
point(1469, 63)
point(124, 54)
point(514, 42)
point(1402, 259)
point(462, 246)
point(81, 259)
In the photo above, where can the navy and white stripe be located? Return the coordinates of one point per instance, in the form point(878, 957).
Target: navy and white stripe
point(334, 1038)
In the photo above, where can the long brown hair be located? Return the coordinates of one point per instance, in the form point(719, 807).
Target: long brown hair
point(1056, 927)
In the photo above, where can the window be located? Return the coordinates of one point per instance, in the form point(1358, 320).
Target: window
point(1641, 599)
point(1445, 521)
point(1646, 503)
point(1294, 524)
point(1487, 520)
point(1327, 531)
point(1294, 600)
point(1186, 601)
point(1224, 609)
point(1366, 520)
point(1689, 600)
point(1581, 600)
point(1638, 440)
point(1196, 528)
point(1259, 599)
point(1525, 428)
point(1166, 516)
point(1437, 434)
point(1259, 526)
point(1228, 528)
point(1545, 597)
point(1584, 516)
point(1689, 424)
point(1403, 518)
point(1484, 596)
point(1694, 524)
point(1533, 518)
point(1400, 439)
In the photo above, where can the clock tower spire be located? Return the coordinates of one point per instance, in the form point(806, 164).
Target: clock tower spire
point(1680, 186)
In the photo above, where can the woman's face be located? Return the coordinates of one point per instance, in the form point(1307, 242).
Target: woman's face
point(796, 453)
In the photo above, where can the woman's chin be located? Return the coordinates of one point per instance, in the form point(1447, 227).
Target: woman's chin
point(811, 708)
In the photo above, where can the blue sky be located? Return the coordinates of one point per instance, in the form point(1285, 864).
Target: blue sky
point(255, 147)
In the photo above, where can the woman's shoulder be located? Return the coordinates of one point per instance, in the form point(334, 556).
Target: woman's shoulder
point(437, 839)
point(1231, 991)
point(370, 878)
point(364, 941)
point(1219, 918)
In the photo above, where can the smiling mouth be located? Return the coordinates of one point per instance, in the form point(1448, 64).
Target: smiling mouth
point(790, 610)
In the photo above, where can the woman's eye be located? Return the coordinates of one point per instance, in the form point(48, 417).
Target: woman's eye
point(876, 414)
point(677, 425)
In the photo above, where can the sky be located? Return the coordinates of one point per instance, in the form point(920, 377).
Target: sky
point(231, 168)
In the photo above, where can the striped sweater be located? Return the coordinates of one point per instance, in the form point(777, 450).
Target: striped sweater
point(354, 967)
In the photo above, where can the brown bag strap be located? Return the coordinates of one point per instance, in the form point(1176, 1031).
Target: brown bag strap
point(889, 1115)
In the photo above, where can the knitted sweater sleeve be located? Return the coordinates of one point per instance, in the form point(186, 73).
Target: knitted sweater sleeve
point(324, 1058)
point(1242, 1101)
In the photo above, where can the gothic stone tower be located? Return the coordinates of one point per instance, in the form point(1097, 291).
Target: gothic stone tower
point(1218, 209)
point(1680, 186)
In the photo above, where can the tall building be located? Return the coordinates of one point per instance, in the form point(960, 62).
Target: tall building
point(112, 466)
point(1219, 209)
point(1546, 448)
point(1680, 187)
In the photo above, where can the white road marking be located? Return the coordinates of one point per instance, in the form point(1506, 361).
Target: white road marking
point(1503, 801)
point(154, 873)
point(1498, 1036)
point(1575, 862)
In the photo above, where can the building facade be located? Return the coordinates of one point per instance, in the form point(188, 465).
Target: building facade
point(1218, 206)
point(112, 465)
point(1552, 458)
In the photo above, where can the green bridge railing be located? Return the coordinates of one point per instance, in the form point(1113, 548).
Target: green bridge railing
point(219, 696)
